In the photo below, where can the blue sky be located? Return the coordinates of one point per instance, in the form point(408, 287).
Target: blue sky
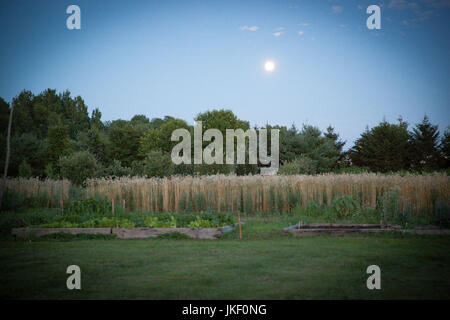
point(180, 58)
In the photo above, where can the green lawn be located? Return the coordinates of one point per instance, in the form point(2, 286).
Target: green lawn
point(266, 264)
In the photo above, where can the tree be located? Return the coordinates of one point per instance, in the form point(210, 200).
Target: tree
point(158, 164)
point(300, 165)
point(5, 172)
point(23, 120)
point(78, 166)
point(25, 169)
point(309, 143)
point(319, 148)
point(338, 144)
point(96, 120)
point(29, 148)
point(221, 120)
point(425, 144)
point(4, 117)
point(445, 148)
point(124, 143)
point(141, 123)
point(160, 138)
point(57, 143)
point(97, 144)
point(383, 148)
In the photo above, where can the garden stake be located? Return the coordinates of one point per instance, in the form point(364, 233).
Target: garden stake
point(239, 221)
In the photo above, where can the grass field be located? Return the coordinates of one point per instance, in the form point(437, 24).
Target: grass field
point(265, 264)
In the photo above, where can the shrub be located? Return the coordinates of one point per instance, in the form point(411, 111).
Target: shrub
point(24, 169)
point(344, 206)
point(78, 167)
point(158, 164)
point(200, 223)
point(114, 170)
point(301, 165)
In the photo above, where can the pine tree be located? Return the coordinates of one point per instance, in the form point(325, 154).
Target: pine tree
point(383, 148)
point(445, 148)
point(425, 141)
point(338, 144)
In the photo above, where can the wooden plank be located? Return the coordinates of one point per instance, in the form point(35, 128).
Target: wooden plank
point(38, 232)
point(142, 233)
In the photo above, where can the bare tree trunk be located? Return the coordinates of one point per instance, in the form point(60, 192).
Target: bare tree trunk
point(5, 173)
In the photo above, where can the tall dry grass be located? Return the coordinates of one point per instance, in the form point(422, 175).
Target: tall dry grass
point(269, 193)
point(51, 191)
point(245, 193)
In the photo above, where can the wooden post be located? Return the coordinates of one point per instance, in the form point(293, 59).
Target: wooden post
point(8, 139)
point(112, 202)
point(123, 204)
point(61, 202)
point(239, 221)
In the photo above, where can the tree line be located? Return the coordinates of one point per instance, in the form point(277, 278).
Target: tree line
point(54, 136)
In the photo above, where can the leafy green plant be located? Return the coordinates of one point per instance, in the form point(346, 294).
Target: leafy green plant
point(200, 223)
point(151, 222)
point(344, 206)
point(171, 223)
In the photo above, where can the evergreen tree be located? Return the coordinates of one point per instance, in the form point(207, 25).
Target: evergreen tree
point(445, 148)
point(338, 144)
point(383, 148)
point(425, 142)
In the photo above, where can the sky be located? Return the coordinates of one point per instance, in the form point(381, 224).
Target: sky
point(180, 58)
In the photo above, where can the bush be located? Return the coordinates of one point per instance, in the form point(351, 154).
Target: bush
point(24, 170)
point(301, 165)
point(78, 166)
point(114, 170)
point(158, 164)
point(344, 206)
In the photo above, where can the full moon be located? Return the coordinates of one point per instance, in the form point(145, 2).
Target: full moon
point(269, 66)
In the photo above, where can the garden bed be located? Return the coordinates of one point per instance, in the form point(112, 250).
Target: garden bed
point(301, 229)
point(125, 233)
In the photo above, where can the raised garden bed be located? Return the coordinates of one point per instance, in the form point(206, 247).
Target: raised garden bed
point(125, 233)
point(302, 229)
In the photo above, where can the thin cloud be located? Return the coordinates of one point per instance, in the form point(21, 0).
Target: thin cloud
point(336, 9)
point(304, 24)
point(252, 28)
point(279, 29)
point(301, 32)
point(277, 34)
point(421, 10)
point(402, 4)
